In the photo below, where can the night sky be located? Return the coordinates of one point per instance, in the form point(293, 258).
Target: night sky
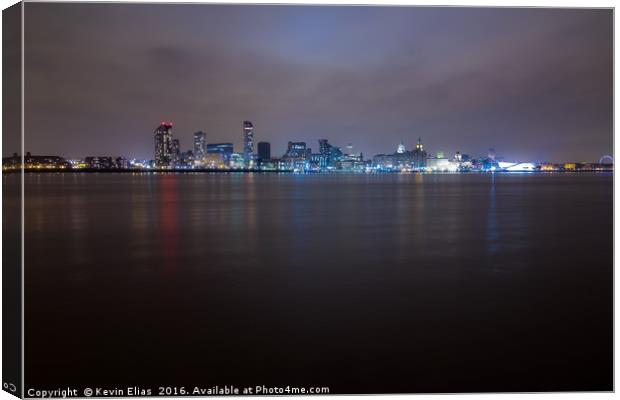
point(536, 84)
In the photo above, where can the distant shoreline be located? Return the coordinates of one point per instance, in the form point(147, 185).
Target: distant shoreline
point(236, 171)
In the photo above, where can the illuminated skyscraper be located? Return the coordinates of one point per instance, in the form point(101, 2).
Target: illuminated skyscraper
point(200, 145)
point(163, 145)
point(248, 142)
point(176, 152)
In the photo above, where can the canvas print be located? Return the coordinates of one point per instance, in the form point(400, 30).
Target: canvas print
point(233, 199)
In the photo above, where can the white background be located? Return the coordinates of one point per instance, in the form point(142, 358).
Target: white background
point(481, 3)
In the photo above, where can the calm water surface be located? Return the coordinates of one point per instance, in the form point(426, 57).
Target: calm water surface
point(363, 283)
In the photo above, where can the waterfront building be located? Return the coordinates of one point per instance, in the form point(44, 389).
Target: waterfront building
point(214, 161)
point(598, 167)
point(264, 151)
point(350, 155)
point(329, 156)
point(324, 147)
point(248, 143)
point(351, 161)
point(441, 164)
point(549, 167)
point(402, 159)
point(272, 164)
point(77, 163)
point(490, 163)
point(237, 161)
point(296, 150)
point(297, 156)
point(34, 162)
point(335, 157)
point(163, 145)
point(121, 163)
point(200, 145)
point(187, 159)
point(418, 156)
point(570, 166)
point(516, 166)
point(463, 161)
point(319, 161)
point(348, 151)
point(225, 150)
point(99, 162)
point(354, 165)
point(139, 164)
point(176, 152)
point(383, 161)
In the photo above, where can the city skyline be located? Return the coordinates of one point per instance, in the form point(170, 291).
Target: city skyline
point(462, 78)
point(249, 150)
point(169, 155)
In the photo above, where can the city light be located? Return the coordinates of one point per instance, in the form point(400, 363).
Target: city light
point(298, 158)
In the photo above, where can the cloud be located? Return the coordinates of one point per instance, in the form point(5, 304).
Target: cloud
point(529, 82)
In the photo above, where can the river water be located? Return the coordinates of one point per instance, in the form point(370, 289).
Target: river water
point(360, 283)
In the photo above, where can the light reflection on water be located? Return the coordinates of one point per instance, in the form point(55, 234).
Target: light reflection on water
point(492, 219)
point(356, 280)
